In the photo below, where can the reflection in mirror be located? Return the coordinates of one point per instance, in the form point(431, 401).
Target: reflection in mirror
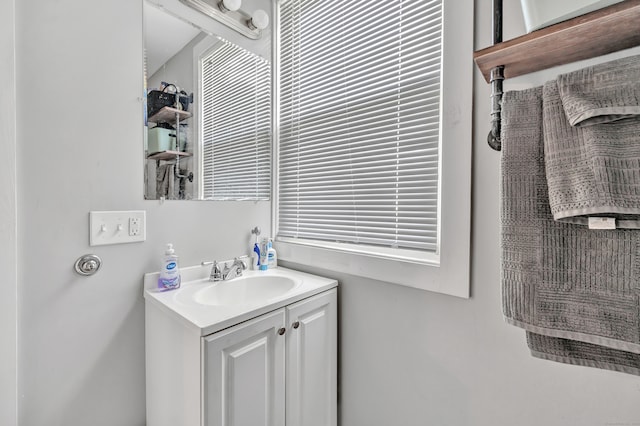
point(207, 115)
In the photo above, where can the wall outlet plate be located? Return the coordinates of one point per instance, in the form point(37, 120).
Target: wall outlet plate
point(134, 226)
point(117, 227)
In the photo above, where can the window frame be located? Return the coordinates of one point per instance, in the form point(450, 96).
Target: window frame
point(448, 270)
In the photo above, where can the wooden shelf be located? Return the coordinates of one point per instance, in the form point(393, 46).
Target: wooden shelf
point(168, 115)
point(607, 30)
point(168, 155)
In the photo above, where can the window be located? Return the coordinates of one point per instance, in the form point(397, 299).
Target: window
point(235, 123)
point(365, 134)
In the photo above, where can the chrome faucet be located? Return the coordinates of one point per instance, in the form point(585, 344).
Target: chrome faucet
point(235, 270)
point(221, 271)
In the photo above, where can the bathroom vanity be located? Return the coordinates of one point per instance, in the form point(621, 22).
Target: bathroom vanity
point(260, 349)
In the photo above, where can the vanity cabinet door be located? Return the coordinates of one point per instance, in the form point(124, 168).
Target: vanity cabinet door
point(312, 361)
point(243, 378)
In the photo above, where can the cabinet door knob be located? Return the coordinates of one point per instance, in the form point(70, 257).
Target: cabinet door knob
point(281, 331)
point(296, 324)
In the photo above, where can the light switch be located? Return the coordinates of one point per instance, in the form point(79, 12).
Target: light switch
point(117, 227)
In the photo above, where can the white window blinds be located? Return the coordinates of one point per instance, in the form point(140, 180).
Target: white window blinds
point(359, 95)
point(236, 123)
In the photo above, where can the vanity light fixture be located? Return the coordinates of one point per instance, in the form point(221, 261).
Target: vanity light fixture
point(229, 5)
point(259, 20)
point(228, 12)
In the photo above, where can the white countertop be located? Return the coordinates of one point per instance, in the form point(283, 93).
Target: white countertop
point(208, 319)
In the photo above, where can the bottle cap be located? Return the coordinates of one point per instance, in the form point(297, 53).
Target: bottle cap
point(169, 249)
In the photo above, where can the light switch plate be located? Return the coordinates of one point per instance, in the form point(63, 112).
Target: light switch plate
point(117, 227)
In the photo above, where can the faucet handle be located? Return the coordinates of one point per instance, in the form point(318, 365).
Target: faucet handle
point(241, 262)
point(216, 273)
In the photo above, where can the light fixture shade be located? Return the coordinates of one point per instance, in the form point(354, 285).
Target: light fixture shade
point(230, 5)
point(259, 20)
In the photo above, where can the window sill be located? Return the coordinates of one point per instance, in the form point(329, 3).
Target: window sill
point(428, 275)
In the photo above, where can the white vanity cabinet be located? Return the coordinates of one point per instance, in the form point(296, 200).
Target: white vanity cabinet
point(244, 373)
point(277, 369)
point(273, 366)
point(312, 364)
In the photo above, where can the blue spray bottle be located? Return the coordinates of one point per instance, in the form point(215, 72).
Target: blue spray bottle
point(255, 256)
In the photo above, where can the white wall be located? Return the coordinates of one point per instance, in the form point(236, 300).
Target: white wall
point(8, 222)
point(81, 340)
point(414, 358)
point(408, 357)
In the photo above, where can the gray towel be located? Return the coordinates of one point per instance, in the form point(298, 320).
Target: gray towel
point(602, 93)
point(165, 181)
point(576, 291)
point(592, 144)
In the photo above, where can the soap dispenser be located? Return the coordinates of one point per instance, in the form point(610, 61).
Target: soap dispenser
point(170, 273)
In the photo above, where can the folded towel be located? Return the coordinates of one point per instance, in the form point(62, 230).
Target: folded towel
point(593, 169)
point(559, 280)
point(581, 353)
point(602, 93)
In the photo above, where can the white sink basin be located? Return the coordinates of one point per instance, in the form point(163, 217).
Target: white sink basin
point(212, 306)
point(244, 290)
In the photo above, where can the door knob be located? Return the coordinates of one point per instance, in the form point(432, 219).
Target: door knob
point(88, 264)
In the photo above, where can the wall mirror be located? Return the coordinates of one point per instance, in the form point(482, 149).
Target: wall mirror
point(207, 125)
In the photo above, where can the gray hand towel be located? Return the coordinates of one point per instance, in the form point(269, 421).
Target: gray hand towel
point(576, 291)
point(602, 93)
point(593, 168)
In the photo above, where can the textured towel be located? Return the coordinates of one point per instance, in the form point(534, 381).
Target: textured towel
point(602, 93)
point(593, 169)
point(165, 182)
point(576, 291)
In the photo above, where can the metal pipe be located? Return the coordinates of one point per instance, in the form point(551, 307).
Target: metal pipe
point(496, 22)
point(177, 171)
point(496, 79)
